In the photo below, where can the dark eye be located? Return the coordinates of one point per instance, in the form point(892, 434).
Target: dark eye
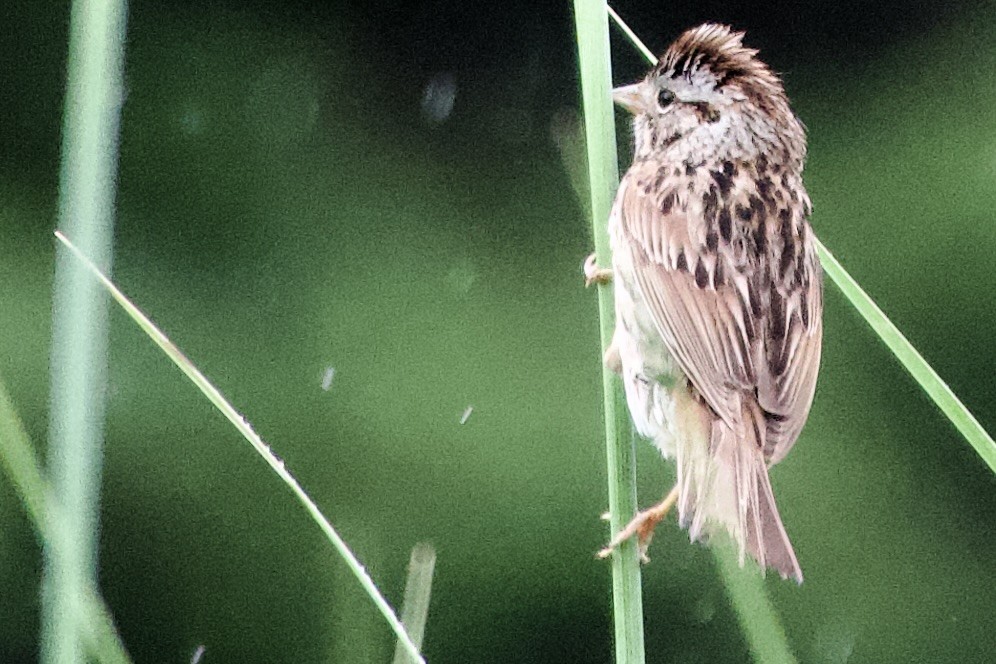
point(665, 98)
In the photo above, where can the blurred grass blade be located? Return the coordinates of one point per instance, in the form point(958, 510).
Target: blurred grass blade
point(758, 619)
point(415, 606)
point(94, 84)
point(243, 426)
point(17, 456)
point(923, 373)
point(904, 351)
point(603, 175)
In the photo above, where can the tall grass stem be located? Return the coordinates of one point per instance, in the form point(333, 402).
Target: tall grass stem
point(594, 61)
point(94, 91)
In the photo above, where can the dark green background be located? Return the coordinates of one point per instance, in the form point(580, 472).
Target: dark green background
point(285, 206)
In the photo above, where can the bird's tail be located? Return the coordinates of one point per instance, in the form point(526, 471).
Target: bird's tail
point(723, 482)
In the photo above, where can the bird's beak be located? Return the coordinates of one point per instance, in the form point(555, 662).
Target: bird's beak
point(632, 97)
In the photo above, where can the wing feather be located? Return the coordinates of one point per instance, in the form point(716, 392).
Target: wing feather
point(700, 300)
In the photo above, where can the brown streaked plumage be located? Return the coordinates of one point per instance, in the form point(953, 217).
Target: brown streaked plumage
point(717, 283)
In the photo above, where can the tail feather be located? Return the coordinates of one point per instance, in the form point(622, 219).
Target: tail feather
point(723, 484)
point(772, 546)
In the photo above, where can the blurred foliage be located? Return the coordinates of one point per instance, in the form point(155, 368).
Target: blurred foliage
point(290, 201)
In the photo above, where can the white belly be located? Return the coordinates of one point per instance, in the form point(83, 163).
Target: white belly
point(649, 372)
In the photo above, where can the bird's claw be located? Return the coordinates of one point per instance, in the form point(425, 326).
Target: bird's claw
point(642, 525)
point(594, 274)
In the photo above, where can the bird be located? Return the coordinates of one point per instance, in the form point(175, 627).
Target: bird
point(718, 288)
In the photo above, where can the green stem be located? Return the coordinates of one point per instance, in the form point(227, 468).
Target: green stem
point(79, 326)
point(910, 358)
point(17, 457)
point(599, 121)
point(757, 617)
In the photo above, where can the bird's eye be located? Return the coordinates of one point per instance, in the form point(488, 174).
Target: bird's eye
point(665, 98)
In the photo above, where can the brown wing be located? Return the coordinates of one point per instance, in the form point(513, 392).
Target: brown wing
point(787, 380)
point(737, 331)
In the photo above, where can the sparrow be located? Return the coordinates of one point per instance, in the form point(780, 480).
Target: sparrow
point(718, 288)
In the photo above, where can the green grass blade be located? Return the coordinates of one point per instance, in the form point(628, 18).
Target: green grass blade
point(634, 40)
point(904, 351)
point(415, 606)
point(243, 426)
point(603, 175)
point(758, 619)
point(17, 456)
point(79, 329)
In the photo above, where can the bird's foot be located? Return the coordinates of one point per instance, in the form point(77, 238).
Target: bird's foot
point(594, 274)
point(642, 525)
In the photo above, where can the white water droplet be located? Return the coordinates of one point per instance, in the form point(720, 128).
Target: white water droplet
point(439, 97)
point(834, 643)
point(327, 377)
